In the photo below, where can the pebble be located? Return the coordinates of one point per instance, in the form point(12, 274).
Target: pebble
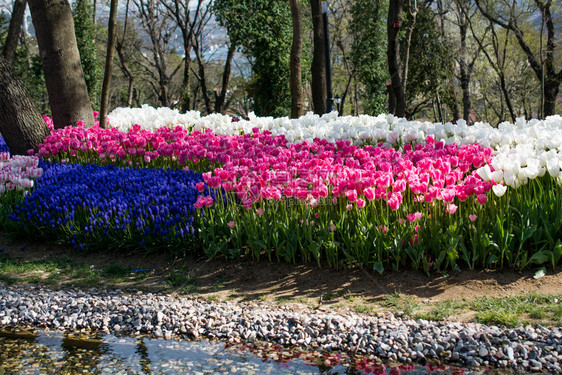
point(385, 335)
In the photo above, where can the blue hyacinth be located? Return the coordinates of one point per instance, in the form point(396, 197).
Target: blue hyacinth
point(3, 145)
point(111, 207)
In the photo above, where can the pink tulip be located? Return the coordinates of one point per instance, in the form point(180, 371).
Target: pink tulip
point(451, 209)
point(351, 195)
point(481, 198)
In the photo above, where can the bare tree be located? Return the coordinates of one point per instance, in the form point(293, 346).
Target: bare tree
point(411, 24)
point(21, 124)
point(394, 22)
point(68, 94)
point(497, 63)
point(187, 21)
point(318, 68)
point(155, 21)
point(200, 33)
point(14, 30)
point(544, 69)
point(342, 66)
point(295, 61)
point(124, 66)
point(108, 63)
point(461, 15)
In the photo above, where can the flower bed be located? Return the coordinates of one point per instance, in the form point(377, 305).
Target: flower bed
point(110, 207)
point(384, 198)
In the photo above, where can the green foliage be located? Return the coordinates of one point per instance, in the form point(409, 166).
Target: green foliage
point(263, 29)
point(369, 51)
point(4, 23)
point(512, 311)
point(429, 63)
point(86, 33)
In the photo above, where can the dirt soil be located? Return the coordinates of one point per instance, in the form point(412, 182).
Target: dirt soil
point(311, 285)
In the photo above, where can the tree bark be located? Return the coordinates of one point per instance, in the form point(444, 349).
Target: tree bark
point(295, 61)
point(465, 74)
point(14, 30)
point(128, 73)
point(318, 68)
point(202, 78)
point(111, 32)
point(220, 99)
point(409, 32)
point(394, 21)
point(68, 94)
point(21, 123)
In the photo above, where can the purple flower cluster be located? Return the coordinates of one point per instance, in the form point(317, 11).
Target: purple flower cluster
point(110, 207)
point(3, 145)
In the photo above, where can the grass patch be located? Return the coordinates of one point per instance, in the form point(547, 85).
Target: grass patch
point(180, 278)
point(443, 310)
point(282, 300)
point(396, 302)
point(50, 272)
point(512, 311)
point(115, 271)
point(362, 309)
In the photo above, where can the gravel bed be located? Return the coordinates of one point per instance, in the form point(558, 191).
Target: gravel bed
point(385, 335)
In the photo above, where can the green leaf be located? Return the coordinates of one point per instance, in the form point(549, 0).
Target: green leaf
point(378, 267)
point(261, 244)
point(556, 254)
point(539, 257)
point(528, 232)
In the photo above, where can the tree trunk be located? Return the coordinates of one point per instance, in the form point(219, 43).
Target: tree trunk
point(14, 30)
point(503, 87)
point(202, 77)
point(21, 123)
point(551, 90)
point(111, 32)
point(68, 94)
point(185, 100)
point(394, 21)
point(125, 69)
point(295, 61)
point(464, 71)
point(219, 102)
point(318, 68)
point(409, 32)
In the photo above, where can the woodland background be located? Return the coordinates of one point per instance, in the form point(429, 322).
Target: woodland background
point(438, 60)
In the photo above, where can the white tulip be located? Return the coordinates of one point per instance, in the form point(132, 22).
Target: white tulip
point(485, 173)
point(553, 166)
point(499, 190)
point(509, 178)
point(497, 176)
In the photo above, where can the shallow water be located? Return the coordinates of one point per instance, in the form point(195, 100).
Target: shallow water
point(46, 352)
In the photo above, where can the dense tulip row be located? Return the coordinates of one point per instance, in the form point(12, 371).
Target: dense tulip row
point(524, 150)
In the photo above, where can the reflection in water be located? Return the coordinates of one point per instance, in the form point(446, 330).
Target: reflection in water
point(46, 352)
